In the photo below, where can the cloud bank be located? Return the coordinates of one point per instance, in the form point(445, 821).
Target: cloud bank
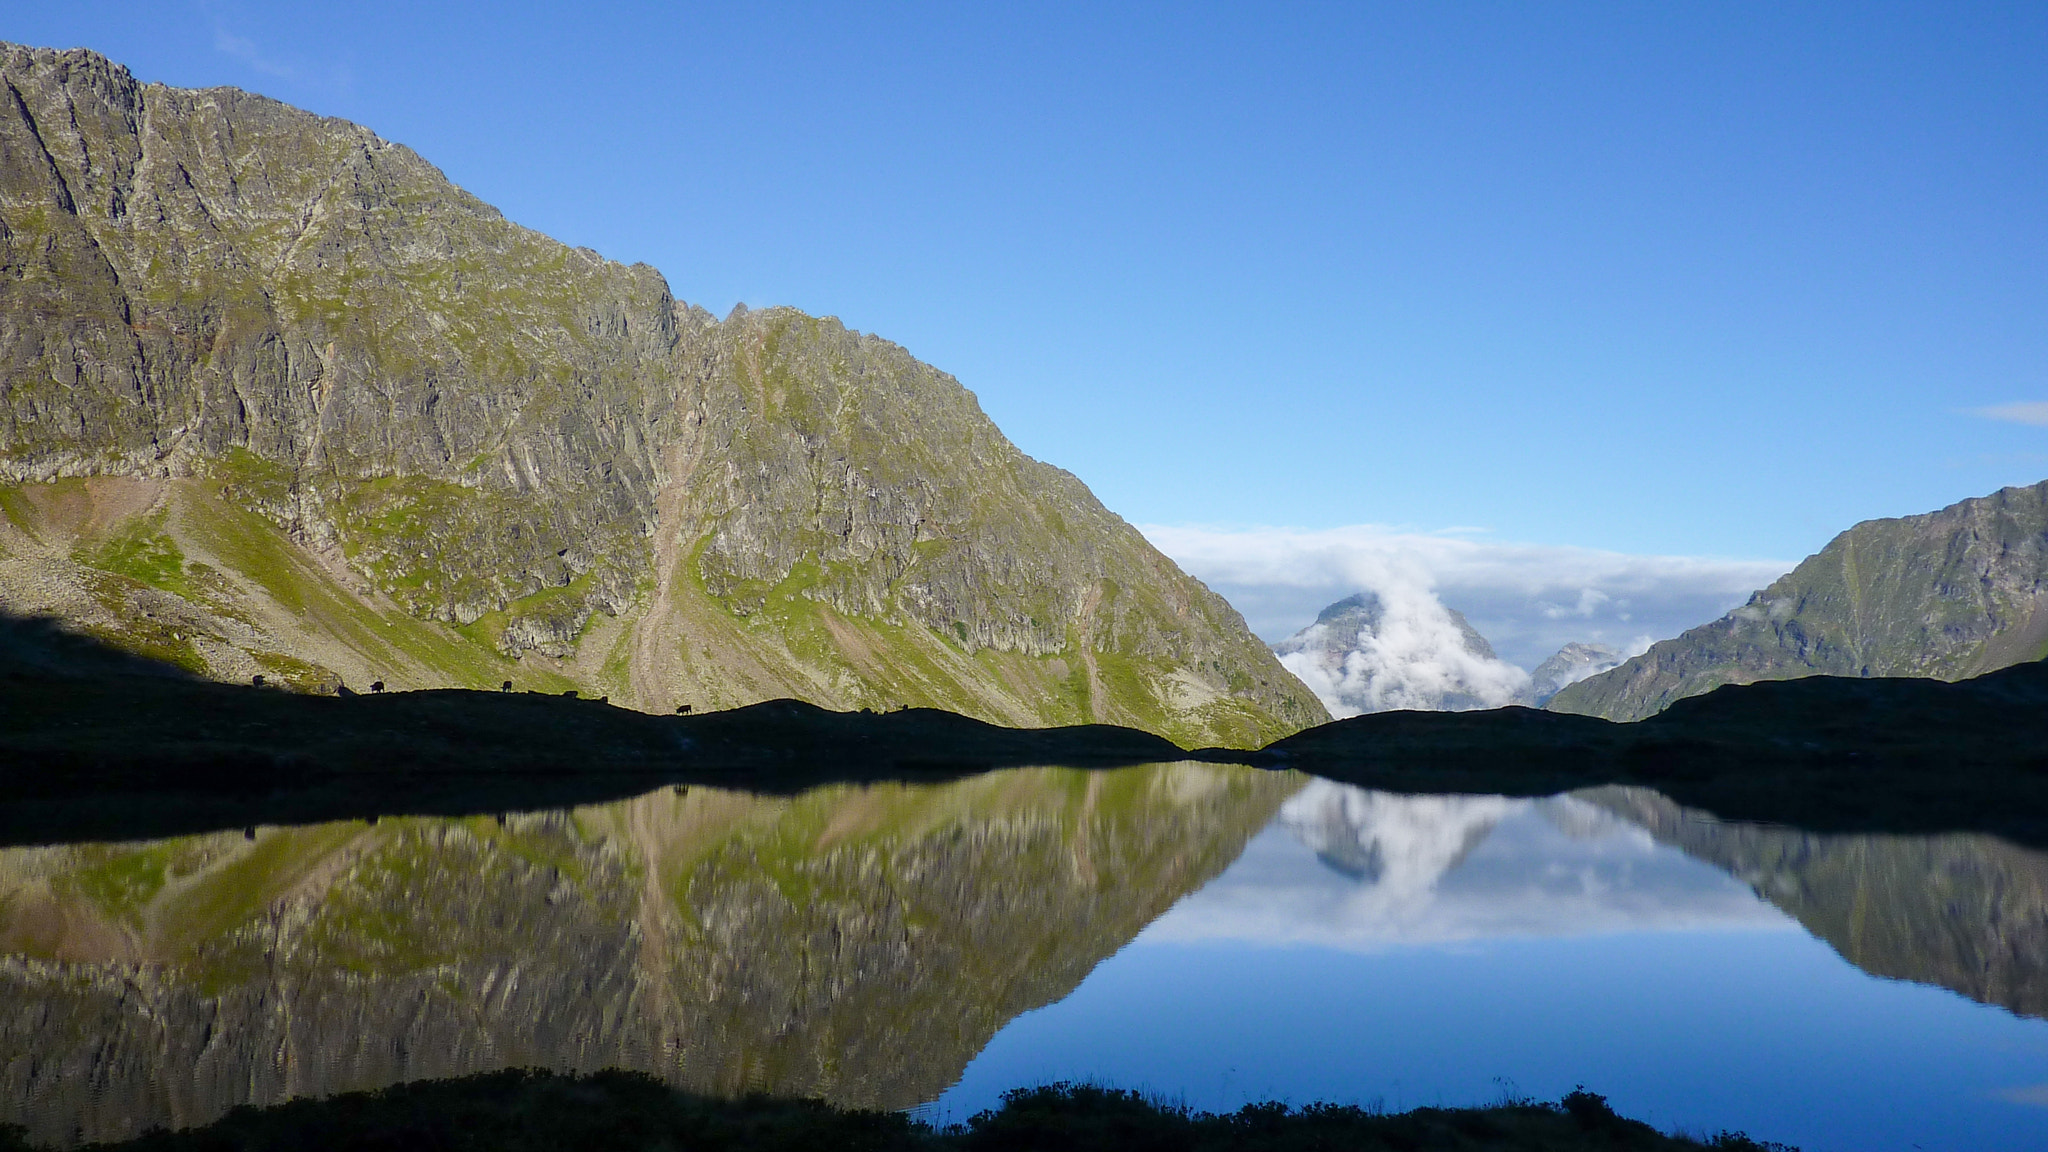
point(1528, 600)
point(2032, 412)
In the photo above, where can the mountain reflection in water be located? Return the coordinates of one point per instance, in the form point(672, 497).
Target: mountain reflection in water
point(865, 943)
point(1964, 912)
point(858, 943)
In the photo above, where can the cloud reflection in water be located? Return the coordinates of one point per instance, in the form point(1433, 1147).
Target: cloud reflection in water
point(1344, 867)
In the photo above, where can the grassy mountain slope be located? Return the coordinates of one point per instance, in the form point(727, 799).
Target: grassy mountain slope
point(1949, 595)
point(266, 349)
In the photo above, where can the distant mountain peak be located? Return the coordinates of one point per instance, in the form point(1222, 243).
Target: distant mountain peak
point(1572, 663)
point(1401, 649)
point(1365, 602)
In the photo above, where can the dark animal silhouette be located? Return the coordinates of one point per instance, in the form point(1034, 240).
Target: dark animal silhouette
point(376, 685)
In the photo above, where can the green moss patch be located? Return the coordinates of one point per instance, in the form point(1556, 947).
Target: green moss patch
point(143, 554)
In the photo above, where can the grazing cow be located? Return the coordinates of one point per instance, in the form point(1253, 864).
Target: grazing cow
point(682, 709)
point(505, 687)
point(376, 685)
point(256, 681)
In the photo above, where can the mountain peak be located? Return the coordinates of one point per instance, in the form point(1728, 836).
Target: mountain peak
point(1572, 663)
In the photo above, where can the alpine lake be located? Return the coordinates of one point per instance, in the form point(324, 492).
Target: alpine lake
point(1208, 933)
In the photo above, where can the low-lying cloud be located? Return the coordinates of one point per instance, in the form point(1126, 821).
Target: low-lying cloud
point(1528, 600)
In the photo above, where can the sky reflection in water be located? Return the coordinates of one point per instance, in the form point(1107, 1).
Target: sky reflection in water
point(1420, 950)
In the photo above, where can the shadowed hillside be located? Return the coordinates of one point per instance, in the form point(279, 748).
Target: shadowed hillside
point(122, 755)
point(1824, 753)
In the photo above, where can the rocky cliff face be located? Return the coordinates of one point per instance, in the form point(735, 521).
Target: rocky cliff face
point(1949, 595)
point(1363, 654)
point(274, 386)
point(856, 944)
point(1966, 912)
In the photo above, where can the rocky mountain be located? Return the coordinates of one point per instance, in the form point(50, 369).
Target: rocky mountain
point(1572, 663)
point(857, 944)
point(277, 398)
point(1949, 595)
point(1366, 653)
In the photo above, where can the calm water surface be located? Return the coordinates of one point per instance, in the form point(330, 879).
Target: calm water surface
point(1405, 950)
point(1208, 933)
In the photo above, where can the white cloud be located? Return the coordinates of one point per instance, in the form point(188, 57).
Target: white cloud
point(244, 49)
point(1528, 600)
point(2027, 412)
point(331, 78)
point(1416, 657)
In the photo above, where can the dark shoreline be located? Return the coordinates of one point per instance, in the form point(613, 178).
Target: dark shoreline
point(115, 757)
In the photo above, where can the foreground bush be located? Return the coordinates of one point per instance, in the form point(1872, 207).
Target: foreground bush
point(535, 1111)
point(1085, 1118)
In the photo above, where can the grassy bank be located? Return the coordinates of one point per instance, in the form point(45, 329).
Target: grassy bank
point(517, 1111)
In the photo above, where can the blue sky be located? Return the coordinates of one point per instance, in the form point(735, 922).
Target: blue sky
point(1686, 279)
